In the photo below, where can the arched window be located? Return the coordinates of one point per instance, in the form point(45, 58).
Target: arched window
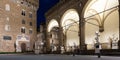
point(30, 15)
point(30, 31)
point(31, 24)
point(23, 21)
point(23, 12)
point(7, 7)
point(23, 30)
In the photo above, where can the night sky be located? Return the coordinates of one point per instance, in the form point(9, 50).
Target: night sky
point(44, 6)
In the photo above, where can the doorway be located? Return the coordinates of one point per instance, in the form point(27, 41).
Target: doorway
point(23, 47)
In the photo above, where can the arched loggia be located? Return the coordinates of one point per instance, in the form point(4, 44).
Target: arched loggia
point(52, 23)
point(102, 16)
point(70, 25)
point(53, 40)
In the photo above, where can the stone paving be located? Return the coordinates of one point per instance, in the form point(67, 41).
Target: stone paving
point(55, 57)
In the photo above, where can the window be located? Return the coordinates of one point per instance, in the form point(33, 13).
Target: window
point(7, 37)
point(23, 12)
point(30, 31)
point(23, 21)
point(7, 7)
point(30, 15)
point(30, 23)
point(22, 2)
point(22, 30)
point(7, 27)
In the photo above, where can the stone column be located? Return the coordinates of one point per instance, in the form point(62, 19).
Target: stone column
point(82, 25)
point(61, 33)
point(82, 35)
point(47, 43)
point(81, 28)
point(60, 38)
point(119, 17)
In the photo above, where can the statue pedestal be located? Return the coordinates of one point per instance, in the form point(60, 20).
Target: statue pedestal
point(114, 45)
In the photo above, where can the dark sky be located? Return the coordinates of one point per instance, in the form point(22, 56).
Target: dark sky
point(45, 5)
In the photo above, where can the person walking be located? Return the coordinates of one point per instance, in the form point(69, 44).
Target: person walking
point(97, 50)
point(74, 49)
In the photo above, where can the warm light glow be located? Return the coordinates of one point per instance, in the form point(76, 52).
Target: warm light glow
point(72, 36)
point(109, 20)
point(71, 14)
point(70, 24)
point(99, 6)
point(52, 23)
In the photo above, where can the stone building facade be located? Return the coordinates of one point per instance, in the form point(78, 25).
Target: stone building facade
point(40, 42)
point(17, 25)
point(76, 24)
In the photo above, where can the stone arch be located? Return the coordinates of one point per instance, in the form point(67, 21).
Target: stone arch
point(70, 11)
point(70, 24)
point(52, 29)
point(103, 19)
point(52, 23)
